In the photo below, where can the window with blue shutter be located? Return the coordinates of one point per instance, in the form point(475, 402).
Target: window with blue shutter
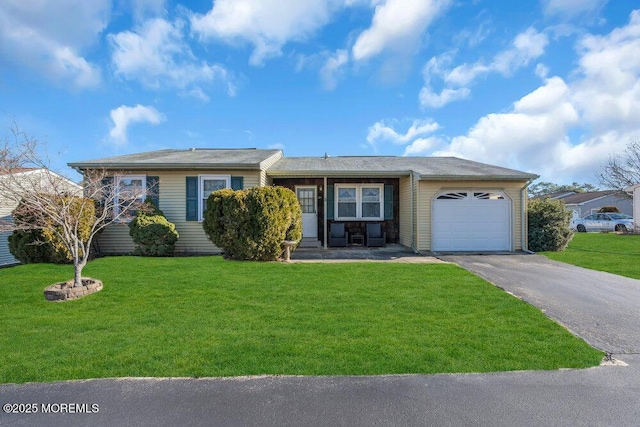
point(237, 182)
point(330, 206)
point(192, 198)
point(388, 201)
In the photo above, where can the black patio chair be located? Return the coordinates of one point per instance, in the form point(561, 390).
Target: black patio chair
point(338, 236)
point(375, 235)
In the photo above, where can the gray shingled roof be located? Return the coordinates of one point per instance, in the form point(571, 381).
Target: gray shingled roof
point(578, 198)
point(183, 159)
point(426, 167)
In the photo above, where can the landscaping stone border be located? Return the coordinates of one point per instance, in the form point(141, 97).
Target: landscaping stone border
point(64, 291)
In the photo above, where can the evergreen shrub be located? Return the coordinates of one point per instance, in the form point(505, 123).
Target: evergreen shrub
point(549, 225)
point(152, 233)
point(252, 224)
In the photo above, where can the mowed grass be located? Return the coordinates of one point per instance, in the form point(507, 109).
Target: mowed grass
point(610, 252)
point(205, 316)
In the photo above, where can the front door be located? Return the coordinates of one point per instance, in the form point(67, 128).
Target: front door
point(308, 204)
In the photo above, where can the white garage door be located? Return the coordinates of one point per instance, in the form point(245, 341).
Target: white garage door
point(471, 221)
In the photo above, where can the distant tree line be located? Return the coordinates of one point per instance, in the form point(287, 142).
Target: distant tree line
point(545, 188)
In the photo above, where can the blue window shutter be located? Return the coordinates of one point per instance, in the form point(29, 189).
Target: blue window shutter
point(153, 190)
point(192, 198)
point(330, 204)
point(237, 183)
point(388, 201)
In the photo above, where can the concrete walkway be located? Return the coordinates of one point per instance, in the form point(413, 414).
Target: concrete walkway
point(389, 253)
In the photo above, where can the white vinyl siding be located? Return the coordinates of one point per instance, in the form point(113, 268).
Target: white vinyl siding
point(264, 166)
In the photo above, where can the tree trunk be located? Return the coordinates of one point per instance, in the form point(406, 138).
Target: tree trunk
point(77, 273)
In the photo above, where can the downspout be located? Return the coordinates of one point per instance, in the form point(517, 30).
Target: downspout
point(324, 219)
point(525, 222)
point(413, 213)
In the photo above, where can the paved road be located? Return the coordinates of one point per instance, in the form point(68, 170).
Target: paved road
point(607, 395)
point(601, 308)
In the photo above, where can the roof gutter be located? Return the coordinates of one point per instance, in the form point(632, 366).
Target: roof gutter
point(164, 166)
point(335, 174)
point(528, 177)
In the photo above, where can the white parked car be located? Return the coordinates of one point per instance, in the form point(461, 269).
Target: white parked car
point(603, 222)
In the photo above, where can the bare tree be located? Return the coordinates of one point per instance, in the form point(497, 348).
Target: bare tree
point(622, 170)
point(69, 217)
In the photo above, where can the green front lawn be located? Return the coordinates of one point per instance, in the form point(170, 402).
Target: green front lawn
point(610, 252)
point(202, 317)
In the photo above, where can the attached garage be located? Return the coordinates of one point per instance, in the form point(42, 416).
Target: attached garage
point(472, 220)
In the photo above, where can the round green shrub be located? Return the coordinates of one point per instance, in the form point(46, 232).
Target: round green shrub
point(31, 247)
point(549, 222)
point(152, 233)
point(252, 224)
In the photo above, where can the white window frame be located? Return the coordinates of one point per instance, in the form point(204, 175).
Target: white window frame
point(358, 188)
point(116, 189)
point(201, 179)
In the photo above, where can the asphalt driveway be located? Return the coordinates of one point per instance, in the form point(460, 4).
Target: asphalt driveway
point(601, 308)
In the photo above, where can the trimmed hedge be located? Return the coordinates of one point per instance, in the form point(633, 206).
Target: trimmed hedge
point(252, 224)
point(152, 233)
point(549, 222)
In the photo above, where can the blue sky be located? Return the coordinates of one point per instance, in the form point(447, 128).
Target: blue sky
point(544, 86)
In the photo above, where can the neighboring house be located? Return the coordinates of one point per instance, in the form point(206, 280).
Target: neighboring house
point(634, 191)
point(5, 256)
point(424, 203)
point(583, 204)
point(39, 178)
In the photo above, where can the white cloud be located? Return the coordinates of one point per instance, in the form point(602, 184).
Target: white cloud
point(599, 109)
point(124, 116)
point(49, 37)
point(571, 8)
point(526, 138)
point(266, 24)
point(157, 55)
point(609, 89)
point(333, 68)
point(525, 47)
point(144, 9)
point(397, 26)
point(422, 145)
point(542, 71)
point(380, 132)
point(430, 99)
